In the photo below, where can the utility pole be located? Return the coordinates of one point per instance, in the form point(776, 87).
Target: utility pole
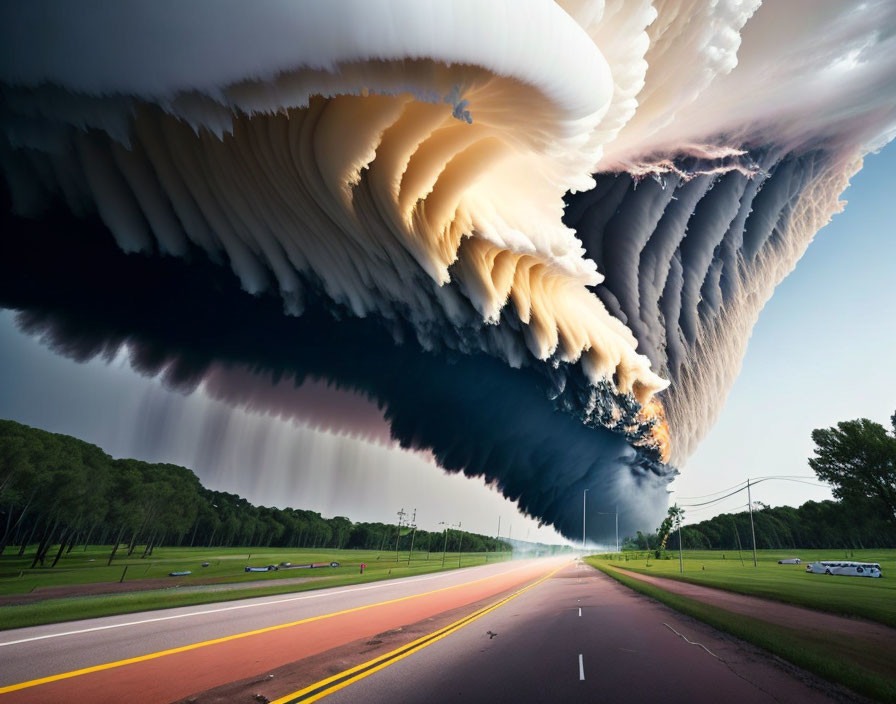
point(584, 494)
point(413, 533)
point(460, 545)
point(752, 528)
point(680, 548)
point(401, 515)
point(445, 545)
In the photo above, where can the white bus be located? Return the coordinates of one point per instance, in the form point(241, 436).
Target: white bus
point(850, 569)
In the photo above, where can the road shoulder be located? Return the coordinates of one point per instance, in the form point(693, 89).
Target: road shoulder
point(843, 655)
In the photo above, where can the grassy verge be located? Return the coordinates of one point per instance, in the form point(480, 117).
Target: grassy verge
point(226, 567)
point(873, 599)
point(831, 660)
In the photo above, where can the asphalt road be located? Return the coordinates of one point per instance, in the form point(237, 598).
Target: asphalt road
point(328, 618)
point(582, 637)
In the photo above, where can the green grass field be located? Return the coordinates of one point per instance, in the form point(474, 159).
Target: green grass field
point(837, 660)
point(874, 599)
point(226, 566)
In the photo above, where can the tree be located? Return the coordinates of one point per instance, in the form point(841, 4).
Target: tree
point(673, 518)
point(858, 458)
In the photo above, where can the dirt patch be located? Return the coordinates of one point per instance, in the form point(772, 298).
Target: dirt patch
point(138, 585)
point(866, 642)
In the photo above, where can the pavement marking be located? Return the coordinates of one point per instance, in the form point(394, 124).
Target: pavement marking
point(275, 602)
point(223, 639)
point(581, 668)
point(692, 642)
point(328, 686)
point(580, 611)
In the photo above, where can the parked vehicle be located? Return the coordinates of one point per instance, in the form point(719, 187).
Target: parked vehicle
point(848, 569)
point(267, 568)
point(790, 561)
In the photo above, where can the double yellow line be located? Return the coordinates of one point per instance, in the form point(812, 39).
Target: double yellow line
point(214, 641)
point(325, 687)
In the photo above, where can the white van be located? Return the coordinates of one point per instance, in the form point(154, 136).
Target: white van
point(849, 569)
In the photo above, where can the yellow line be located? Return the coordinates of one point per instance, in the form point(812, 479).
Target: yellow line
point(397, 654)
point(214, 641)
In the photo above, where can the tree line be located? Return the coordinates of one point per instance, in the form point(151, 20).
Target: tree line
point(857, 458)
point(57, 492)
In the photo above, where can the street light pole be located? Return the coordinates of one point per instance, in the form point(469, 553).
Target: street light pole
point(752, 529)
point(401, 515)
point(413, 534)
point(617, 529)
point(584, 493)
point(460, 546)
point(445, 545)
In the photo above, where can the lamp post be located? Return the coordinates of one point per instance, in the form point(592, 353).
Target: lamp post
point(401, 515)
point(413, 533)
point(445, 544)
point(584, 493)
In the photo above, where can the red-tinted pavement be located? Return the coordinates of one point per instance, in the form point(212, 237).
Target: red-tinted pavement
point(177, 675)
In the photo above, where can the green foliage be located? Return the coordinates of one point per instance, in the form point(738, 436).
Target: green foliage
point(223, 580)
point(56, 490)
point(839, 525)
point(858, 458)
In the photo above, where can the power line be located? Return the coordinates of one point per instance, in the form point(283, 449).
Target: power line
point(797, 478)
point(690, 498)
point(714, 501)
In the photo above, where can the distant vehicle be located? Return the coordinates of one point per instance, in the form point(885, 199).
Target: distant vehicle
point(268, 568)
point(848, 569)
point(791, 561)
point(183, 573)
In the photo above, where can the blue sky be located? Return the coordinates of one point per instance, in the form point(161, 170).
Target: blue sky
point(824, 350)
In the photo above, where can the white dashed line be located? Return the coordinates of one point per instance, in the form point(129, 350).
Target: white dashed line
point(581, 668)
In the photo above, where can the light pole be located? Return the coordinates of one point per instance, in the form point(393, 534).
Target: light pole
point(460, 545)
point(608, 513)
point(413, 533)
point(584, 493)
point(445, 544)
point(401, 515)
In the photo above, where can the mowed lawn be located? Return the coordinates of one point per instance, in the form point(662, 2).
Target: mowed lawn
point(874, 599)
point(226, 567)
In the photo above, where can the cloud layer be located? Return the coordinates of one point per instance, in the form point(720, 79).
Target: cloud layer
point(510, 225)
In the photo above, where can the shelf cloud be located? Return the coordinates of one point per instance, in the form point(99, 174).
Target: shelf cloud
point(530, 238)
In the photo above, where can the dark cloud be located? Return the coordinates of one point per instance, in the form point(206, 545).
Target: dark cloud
point(188, 319)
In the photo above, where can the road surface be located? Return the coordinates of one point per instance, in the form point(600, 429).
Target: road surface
point(161, 656)
point(581, 637)
point(528, 631)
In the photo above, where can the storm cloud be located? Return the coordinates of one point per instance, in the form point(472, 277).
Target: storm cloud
point(531, 238)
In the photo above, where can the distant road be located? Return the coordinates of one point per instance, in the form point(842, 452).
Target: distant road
point(160, 656)
point(582, 637)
